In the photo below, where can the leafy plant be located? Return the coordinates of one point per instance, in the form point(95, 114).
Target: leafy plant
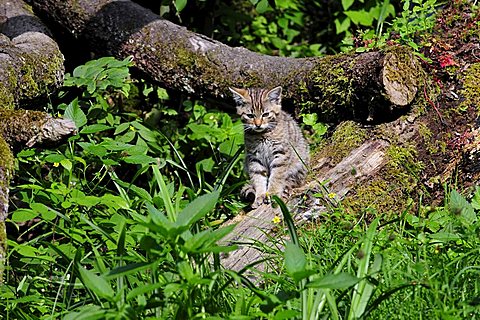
point(277, 28)
point(101, 231)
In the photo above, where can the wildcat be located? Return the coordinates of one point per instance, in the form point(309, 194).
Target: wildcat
point(276, 151)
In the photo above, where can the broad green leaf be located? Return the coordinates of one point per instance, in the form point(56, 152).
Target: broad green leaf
point(121, 128)
point(342, 280)
point(139, 159)
point(97, 284)
point(295, 261)
point(230, 146)
point(205, 164)
point(96, 150)
point(22, 215)
point(180, 5)
point(457, 202)
point(67, 164)
point(445, 236)
point(54, 158)
point(262, 6)
point(114, 201)
point(197, 209)
point(342, 26)
point(476, 199)
point(185, 270)
point(89, 312)
point(459, 206)
point(347, 4)
point(26, 153)
point(86, 201)
point(205, 240)
point(115, 145)
point(94, 128)
point(47, 212)
point(360, 17)
point(74, 113)
point(26, 250)
point(161, 220)
point(310, 119)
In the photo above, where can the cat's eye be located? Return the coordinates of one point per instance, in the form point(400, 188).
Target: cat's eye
point(250, 115)
point(265, 115)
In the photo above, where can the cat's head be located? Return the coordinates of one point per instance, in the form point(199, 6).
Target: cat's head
point(258, 108)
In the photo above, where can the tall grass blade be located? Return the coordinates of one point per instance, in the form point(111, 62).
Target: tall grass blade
point(164, 194)
point(287, 217)
point(363, 289)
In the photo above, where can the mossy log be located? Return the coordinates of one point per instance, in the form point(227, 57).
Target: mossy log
point(25, 128)
point(366, 86)
point(31, 64)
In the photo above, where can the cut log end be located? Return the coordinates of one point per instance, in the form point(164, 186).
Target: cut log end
point(401, 77)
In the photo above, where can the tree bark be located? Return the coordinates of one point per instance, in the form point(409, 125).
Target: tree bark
point(345, 86)
point(31, 64)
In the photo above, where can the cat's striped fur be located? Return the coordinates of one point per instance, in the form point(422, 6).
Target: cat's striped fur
point(276, 151)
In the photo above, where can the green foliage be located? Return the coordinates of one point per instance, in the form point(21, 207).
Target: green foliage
point(358, 15)
point(417, 17)
point(115, 233)
point(408, 28)
point(102, 74)
point(124, 220)
point(317, 129)
point(277, 29)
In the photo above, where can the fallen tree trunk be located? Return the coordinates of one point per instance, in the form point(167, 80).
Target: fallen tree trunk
point(345, 86)
point(31, 64)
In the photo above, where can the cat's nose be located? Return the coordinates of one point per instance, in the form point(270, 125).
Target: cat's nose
point(257, 122)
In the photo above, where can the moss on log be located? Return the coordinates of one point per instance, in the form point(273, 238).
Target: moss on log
point(31, 64)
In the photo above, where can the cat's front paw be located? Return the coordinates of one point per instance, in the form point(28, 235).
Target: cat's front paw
point(259, 200)
point(248, 193)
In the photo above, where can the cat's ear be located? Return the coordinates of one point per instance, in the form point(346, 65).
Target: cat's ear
point(239, 95)
point(275, 95)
